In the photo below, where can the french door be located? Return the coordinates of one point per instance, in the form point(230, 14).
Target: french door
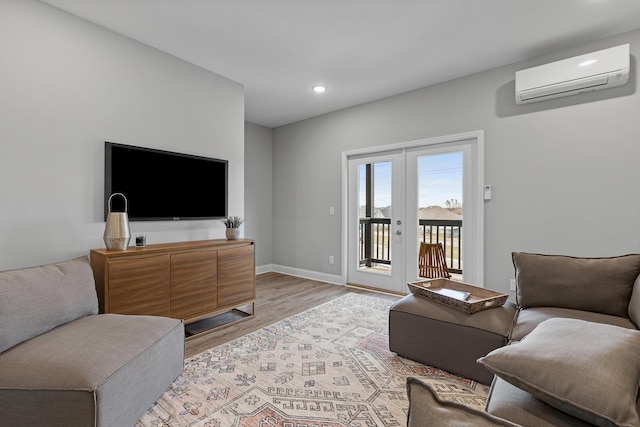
point(376, 217)
point(427, 192)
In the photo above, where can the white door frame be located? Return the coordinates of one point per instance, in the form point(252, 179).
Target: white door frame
point(474, 263)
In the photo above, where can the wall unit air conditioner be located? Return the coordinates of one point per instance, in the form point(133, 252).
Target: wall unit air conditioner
point(585, 73)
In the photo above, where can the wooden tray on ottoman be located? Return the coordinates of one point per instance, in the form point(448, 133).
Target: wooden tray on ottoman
point(461, 296)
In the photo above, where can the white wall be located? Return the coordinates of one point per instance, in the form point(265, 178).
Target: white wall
point(564, 172)
point(66, 86)
point(258, 203)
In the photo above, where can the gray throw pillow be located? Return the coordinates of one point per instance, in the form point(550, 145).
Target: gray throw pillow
point(588, 370)
point(601, 285)
point(427, 409)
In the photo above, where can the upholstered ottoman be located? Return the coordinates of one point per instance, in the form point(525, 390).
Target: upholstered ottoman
point(437, 335)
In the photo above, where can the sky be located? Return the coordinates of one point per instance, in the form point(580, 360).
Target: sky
point(440, 179)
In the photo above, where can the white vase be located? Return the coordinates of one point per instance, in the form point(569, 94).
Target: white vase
point(233, 233)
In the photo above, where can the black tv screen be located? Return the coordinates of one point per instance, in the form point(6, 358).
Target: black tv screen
point(163, 185)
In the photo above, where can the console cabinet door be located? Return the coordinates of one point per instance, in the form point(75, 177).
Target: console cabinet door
point(193, 284)
point(236, 276)
point(139, 286)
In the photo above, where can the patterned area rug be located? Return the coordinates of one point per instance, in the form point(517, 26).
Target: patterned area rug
point(326, 367)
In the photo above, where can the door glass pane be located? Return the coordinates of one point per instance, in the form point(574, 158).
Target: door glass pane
point(440, 205)
point(374, 205)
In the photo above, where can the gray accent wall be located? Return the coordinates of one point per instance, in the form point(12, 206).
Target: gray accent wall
point(258, 192)
point(66, 86)
point(564, 172)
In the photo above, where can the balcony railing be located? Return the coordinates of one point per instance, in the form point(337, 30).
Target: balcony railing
point(375, 234)
point(374, 241)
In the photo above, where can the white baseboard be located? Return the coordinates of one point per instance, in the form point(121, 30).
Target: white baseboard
point(261, 269)
point(299, 272)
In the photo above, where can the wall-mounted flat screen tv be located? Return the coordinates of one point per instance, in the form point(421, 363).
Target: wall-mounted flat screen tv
point(162, 185)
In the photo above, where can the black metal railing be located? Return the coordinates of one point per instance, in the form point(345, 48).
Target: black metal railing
point(374, 241)
point(375, 233)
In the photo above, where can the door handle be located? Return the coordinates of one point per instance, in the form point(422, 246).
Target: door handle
point(399, 232)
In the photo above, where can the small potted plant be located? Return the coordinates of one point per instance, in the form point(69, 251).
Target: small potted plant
point(233, 223)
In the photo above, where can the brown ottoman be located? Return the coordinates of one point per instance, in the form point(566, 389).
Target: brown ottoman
point(437, 335)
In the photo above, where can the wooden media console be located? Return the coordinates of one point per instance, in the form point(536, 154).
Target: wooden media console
point(192, 281)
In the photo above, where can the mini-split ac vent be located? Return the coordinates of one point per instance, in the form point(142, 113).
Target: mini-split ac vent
point(585, 73)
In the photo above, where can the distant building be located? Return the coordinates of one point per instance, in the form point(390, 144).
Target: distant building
point(377, 212)
point(431, 212)
point(438, 212)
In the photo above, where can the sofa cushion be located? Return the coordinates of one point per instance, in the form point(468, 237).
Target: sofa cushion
point(575, 366)
point(427, 409)
point(103, 370)
point(634, 303)
point(518, 406)
point(601, 285)
point(35, 300)
point(528, 318)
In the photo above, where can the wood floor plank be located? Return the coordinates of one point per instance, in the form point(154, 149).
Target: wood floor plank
point(278, 296)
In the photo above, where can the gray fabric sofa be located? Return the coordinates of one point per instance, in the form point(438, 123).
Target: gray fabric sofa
point(573, 352)
point(63, 364)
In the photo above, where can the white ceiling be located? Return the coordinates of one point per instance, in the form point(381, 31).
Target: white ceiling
point(361, 49)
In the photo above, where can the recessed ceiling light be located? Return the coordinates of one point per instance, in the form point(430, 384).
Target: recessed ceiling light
point(319, 88)
point(587, 62)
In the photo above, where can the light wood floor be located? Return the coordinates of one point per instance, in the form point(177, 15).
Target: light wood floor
point(278, 296)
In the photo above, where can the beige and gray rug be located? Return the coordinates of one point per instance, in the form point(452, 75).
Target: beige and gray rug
point(326, 367)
